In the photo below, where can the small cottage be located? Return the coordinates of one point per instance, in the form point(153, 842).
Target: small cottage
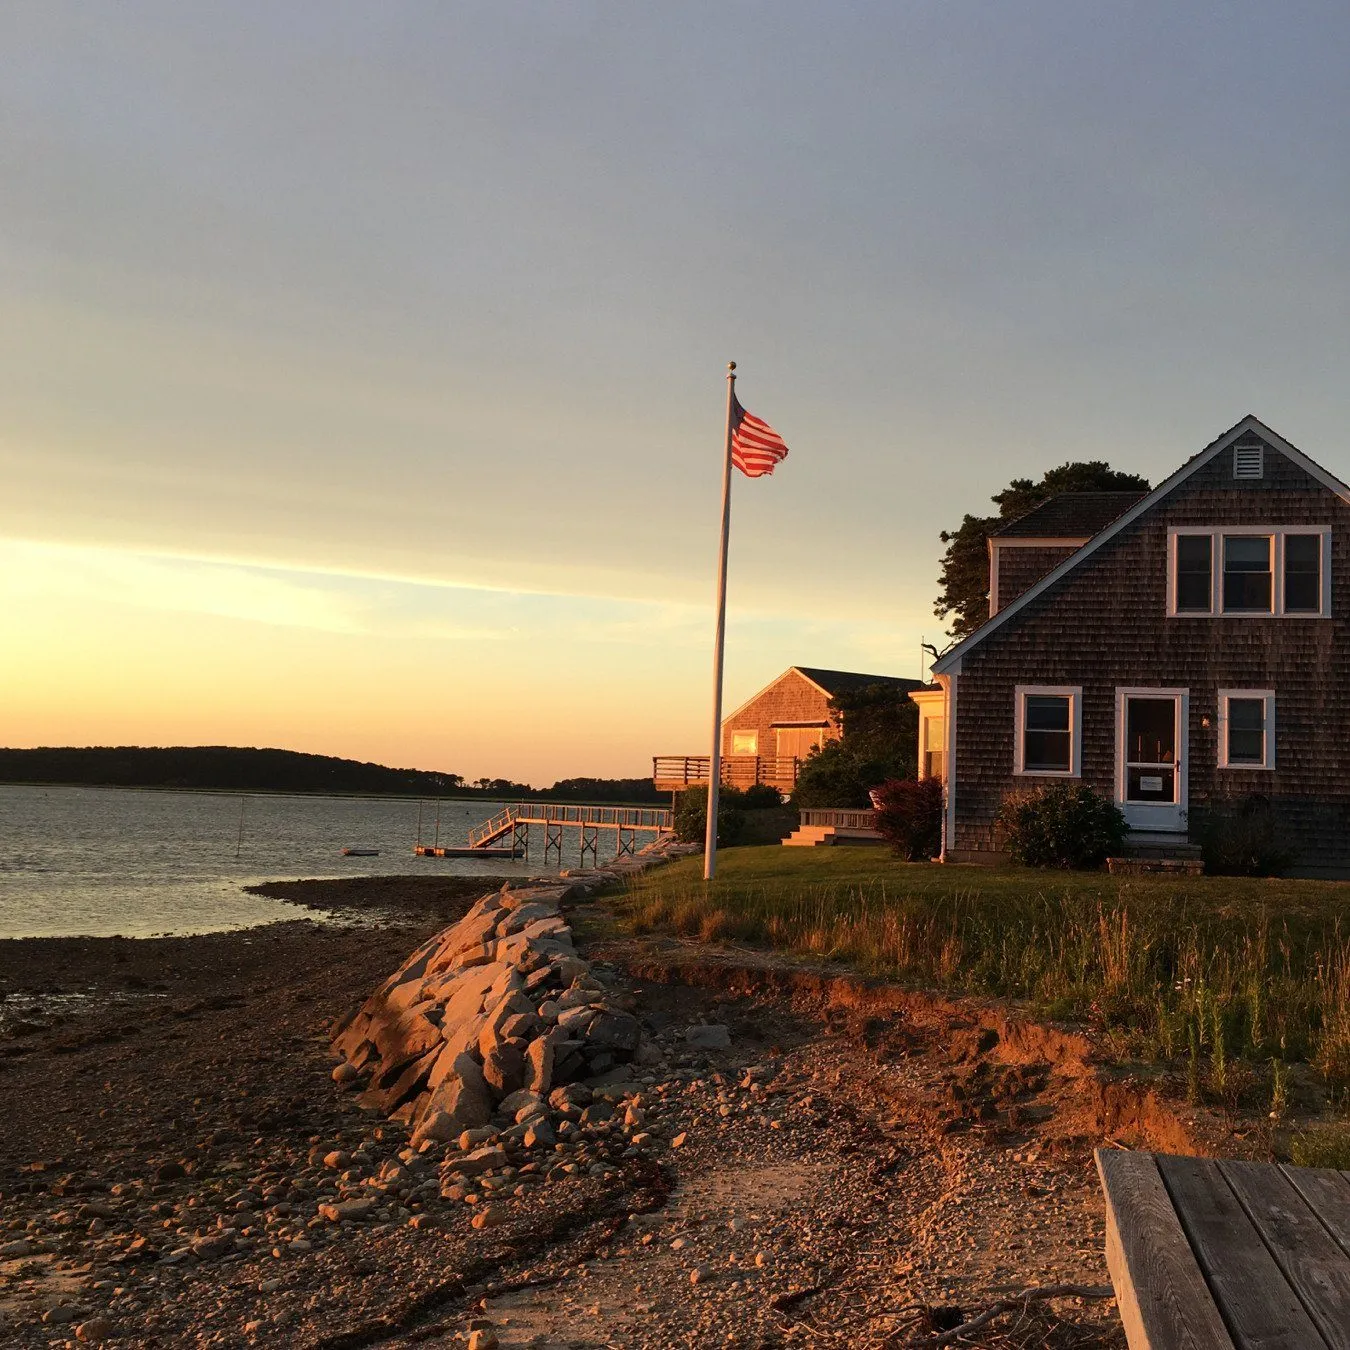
point(768, 737)
point(1184, 653)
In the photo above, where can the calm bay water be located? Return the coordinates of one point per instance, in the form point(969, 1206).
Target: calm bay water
point(101, 861)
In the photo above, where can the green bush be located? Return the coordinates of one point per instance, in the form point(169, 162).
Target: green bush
point(691, 816)
point(760, 797)
point(1061, 825)
point(836, 775)
point(909, 816)
point(1243, 841)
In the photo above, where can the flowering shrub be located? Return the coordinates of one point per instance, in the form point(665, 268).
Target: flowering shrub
point(909, 816)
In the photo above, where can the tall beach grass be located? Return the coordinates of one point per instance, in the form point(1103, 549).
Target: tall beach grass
point(1222, 971)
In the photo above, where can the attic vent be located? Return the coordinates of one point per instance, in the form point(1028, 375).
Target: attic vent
point(1248, 461)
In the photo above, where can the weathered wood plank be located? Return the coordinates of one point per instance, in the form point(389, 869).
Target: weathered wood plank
point(1328, 1195)
point(1313, 1263)
point(1260, 1308)
point(1163, 1300)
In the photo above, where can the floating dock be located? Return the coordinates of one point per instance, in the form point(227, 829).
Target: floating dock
point(440, 851)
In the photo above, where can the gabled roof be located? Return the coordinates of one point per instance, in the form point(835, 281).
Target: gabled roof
point(830, 683)
point(848, 681)
point(1069, 515)
point(951, 661)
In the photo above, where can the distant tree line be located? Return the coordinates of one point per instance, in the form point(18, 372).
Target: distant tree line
point(225, 768)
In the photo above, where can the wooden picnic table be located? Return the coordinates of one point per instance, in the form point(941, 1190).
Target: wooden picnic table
point(1212, 1254)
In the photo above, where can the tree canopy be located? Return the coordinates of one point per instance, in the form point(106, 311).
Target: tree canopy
point(963, 582)
point(879, 740)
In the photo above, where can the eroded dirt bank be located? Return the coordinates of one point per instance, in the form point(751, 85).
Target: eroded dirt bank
point(837, 1169)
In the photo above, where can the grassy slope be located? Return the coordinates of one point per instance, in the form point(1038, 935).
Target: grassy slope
point(1207, 968)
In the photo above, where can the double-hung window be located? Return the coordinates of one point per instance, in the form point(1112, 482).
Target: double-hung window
point(1247, 563)
point(1194, 591)
point(1303, 573)
point(1049, 730)
point(1277, 571)
point(1246, 729)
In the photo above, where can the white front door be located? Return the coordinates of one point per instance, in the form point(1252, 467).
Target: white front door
point(1151, 729)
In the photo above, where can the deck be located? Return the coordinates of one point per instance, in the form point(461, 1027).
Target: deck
point(675, 773)
point(1226, 1255)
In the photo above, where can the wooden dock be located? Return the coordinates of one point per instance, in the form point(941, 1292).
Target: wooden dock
point(628, 824)
point(1226, 1255)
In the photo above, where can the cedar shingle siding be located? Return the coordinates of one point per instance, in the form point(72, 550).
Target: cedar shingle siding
point(790, 698)
point(1019, 569)
point(800, 696)
point(1104, 624)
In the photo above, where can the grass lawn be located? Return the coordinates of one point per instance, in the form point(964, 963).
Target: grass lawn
point(1227, 973)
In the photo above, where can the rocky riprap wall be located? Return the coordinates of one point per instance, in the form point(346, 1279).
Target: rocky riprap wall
point(496, 1038)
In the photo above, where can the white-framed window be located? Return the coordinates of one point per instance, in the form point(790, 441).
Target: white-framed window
point(1049, 735)
point(745, 742)
point(1250, 571)
point(934, 749)
point(1246, 728)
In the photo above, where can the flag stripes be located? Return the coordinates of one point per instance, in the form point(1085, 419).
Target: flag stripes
point(756, 448)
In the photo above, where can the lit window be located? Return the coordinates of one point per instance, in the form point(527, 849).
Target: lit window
point(745, 742)
point(1246, 729)
point(1247, 573)
point(934, 746)
point(1303, 574)
point(1048, 731)
point(1195, 585)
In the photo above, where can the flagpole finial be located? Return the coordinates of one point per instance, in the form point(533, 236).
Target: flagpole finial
point(731, 366)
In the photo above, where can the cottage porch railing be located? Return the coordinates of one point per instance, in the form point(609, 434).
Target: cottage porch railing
point(841, 820)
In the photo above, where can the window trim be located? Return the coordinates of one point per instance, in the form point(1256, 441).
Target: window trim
point(1074, 693)
point(752, 732)
point(1267, 697)
point(1277, 534)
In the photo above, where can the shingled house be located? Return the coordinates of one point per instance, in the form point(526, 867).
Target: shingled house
point(1183, 653)
point(768, 737)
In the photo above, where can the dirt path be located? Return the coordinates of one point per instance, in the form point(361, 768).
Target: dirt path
point(166, 1163)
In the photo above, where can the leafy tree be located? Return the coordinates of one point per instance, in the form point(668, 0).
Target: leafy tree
point(963, 583)
point(604, 790)
point(879, 731)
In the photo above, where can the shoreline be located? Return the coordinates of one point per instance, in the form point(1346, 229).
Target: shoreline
point(494, 799)
point(171, 1147)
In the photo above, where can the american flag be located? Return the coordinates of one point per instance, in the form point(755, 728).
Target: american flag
point(756, 447)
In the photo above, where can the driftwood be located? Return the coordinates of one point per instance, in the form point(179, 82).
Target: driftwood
point(1018, 1303)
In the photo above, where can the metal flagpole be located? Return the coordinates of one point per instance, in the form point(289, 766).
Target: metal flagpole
point(715, 768)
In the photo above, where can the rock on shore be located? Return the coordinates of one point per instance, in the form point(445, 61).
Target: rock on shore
point(488, 1018)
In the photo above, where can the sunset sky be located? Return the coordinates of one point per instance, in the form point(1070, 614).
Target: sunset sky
point(361, 365)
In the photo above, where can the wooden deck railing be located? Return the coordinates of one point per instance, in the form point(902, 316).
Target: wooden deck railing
point(671, 772)
point(841, 820)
